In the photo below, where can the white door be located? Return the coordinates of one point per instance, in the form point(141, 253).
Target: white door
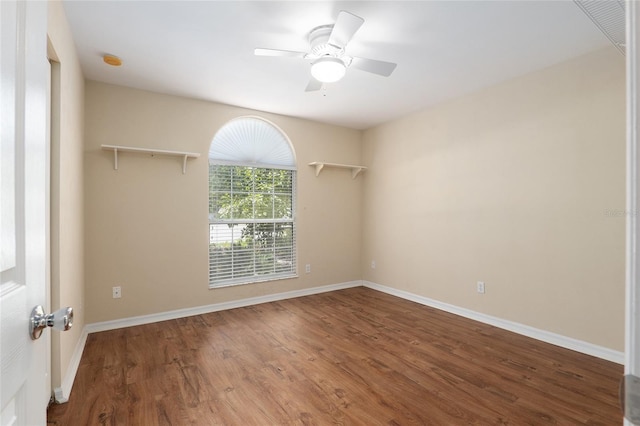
point(632, 344)
point(24, 385)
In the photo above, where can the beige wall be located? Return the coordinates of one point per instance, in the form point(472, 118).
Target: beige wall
point(147, 223)
point(509, 186)
point(67, 203)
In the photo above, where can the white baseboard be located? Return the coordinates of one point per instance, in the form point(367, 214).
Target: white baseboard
point(187, 312)
point(61, 394)
point(525, 330)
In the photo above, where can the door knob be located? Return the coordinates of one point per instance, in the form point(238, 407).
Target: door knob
point(61, 320)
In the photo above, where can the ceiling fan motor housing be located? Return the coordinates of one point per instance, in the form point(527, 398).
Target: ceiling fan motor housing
point(319, 40)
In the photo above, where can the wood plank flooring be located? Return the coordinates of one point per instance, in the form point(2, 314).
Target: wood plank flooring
point(349, 357)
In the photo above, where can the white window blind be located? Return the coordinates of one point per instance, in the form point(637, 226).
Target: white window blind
point(251, 209)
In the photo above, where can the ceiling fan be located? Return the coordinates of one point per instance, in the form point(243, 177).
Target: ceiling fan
point(329, 60)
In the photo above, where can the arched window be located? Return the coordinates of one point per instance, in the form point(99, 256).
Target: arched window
point(252, 176)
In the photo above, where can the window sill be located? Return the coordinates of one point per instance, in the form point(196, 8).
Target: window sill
point(253, 281)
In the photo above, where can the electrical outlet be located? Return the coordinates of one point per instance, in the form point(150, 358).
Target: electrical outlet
point(480, 287)
point(117, 292)
point(307, 268)
point(373, 264)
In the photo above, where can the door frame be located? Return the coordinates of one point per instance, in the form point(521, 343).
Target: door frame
point(632, 286)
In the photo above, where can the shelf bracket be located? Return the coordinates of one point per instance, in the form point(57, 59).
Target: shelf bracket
point(355, 171)
point(115, 159)
point(184, 164)
point(319, 167)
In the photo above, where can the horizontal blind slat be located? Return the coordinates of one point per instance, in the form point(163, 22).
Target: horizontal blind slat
point(251, 230)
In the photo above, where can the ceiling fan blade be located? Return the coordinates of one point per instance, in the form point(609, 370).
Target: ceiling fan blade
point(374, 66)
point(314, 85)
point(345, 27)
point(276, 52)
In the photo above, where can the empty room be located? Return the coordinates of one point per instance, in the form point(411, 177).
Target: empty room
point(312, 213)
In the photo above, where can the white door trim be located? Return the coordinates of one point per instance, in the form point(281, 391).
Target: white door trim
point(632, 332)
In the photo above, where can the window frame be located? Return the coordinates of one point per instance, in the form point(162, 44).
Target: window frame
point(257, 277)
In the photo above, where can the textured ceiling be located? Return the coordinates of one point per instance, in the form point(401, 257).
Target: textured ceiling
point(444, 49)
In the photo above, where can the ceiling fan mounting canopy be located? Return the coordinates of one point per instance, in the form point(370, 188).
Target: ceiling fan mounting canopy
point(319, 36)
point(328, 43)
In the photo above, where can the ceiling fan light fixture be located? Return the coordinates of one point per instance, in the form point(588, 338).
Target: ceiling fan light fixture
point(328, 69)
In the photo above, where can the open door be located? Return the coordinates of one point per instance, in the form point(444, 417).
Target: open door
point(631, 391)
point(24, 168)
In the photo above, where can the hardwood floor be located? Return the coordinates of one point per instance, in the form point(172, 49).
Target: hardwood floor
point(350, 357)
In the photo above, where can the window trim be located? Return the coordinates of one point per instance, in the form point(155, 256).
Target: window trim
point(244, 161)
point(254, 279)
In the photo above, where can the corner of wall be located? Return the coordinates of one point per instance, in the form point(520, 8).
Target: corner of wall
point(67, 192)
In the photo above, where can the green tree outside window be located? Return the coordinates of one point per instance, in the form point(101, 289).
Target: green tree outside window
point(251, 224)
